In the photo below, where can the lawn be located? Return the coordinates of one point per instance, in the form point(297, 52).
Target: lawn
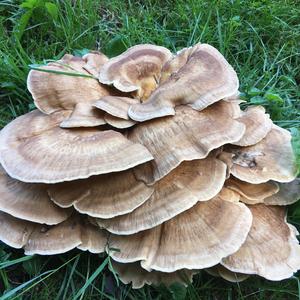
point(261, 39)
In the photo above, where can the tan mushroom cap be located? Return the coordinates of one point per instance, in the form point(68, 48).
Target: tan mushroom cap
point(270, 159)
point(252, 193)
point(271, 249)
point(29, 201)
point(84, 115)
point(205, 78)
point(94, 60)
point(137, 69)
point(289, 193)
point(182, 241)
point(71, 154)
point(117, 122)
point(258, 125)
point(15, 232)
point(135, 274)
point(93, 239)
point(50, 240)
point(116, 106)
point(53, 92)
point(188, 135)
point(192, 181)
point(103, 196)
point(116, 109)
point(221, 271)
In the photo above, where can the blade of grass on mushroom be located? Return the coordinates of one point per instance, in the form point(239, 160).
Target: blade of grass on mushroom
point(37, 68)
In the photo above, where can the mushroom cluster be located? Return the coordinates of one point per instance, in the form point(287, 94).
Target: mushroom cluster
point(148, 156)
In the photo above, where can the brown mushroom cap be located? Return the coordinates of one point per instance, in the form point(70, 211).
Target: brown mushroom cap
point(135, 274)
point(192, 181)
point(188, 135)
point(116, 108)
point(93, 239)
point(205, 78)
point(252, 193)
point(15, 232)
point(258, 125)
point(289, 193)
point(137, 69)
point(270, 159)
point(271, 249)
point(117, 122)
point(84, 115)
point(29, 201)
point(46, 240)
point(71, 154)
point(103, 196)
point(94, 61)
point(183, 242)
point(53, 92)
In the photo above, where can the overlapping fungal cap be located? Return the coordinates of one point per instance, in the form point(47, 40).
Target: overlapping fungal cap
point(271, 249)
point(156, 164)
point(135, 274)
point(270, 159)
point(116, 109)
point(70, 84)
point(163, 248)
point(201, 77)
point(71, 154)
point(191, 182)
point(104, 196)
point(189, 135)
point(29, 201)
point(137, 69)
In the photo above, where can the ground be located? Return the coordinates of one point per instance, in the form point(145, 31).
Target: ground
point(261, 39)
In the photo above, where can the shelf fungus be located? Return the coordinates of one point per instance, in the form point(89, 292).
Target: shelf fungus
point(148, 156)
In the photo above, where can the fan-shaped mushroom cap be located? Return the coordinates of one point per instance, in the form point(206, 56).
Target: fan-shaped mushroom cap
point(135, 274)
point(117, 122)
point(57, 239)
point(93, 239)
point(289, 193)
point(14, 232)
point(271, 249)
point(252, 193)
point(221, 271)
point(52, 91)
point(188, 135)
point(270, 159)
point(94, 60)
point(84, 115)
point(116, 108)
point(205, 78)
point(192, 181)
point(183, 242)
point(103, 196)
point(29, 201)
point(258, 125)
point(34, 149)
point(137, 69)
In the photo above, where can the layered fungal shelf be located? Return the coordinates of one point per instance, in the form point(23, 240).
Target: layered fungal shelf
point(149, 157)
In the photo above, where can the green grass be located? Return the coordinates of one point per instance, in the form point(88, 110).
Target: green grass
point(261, 39)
